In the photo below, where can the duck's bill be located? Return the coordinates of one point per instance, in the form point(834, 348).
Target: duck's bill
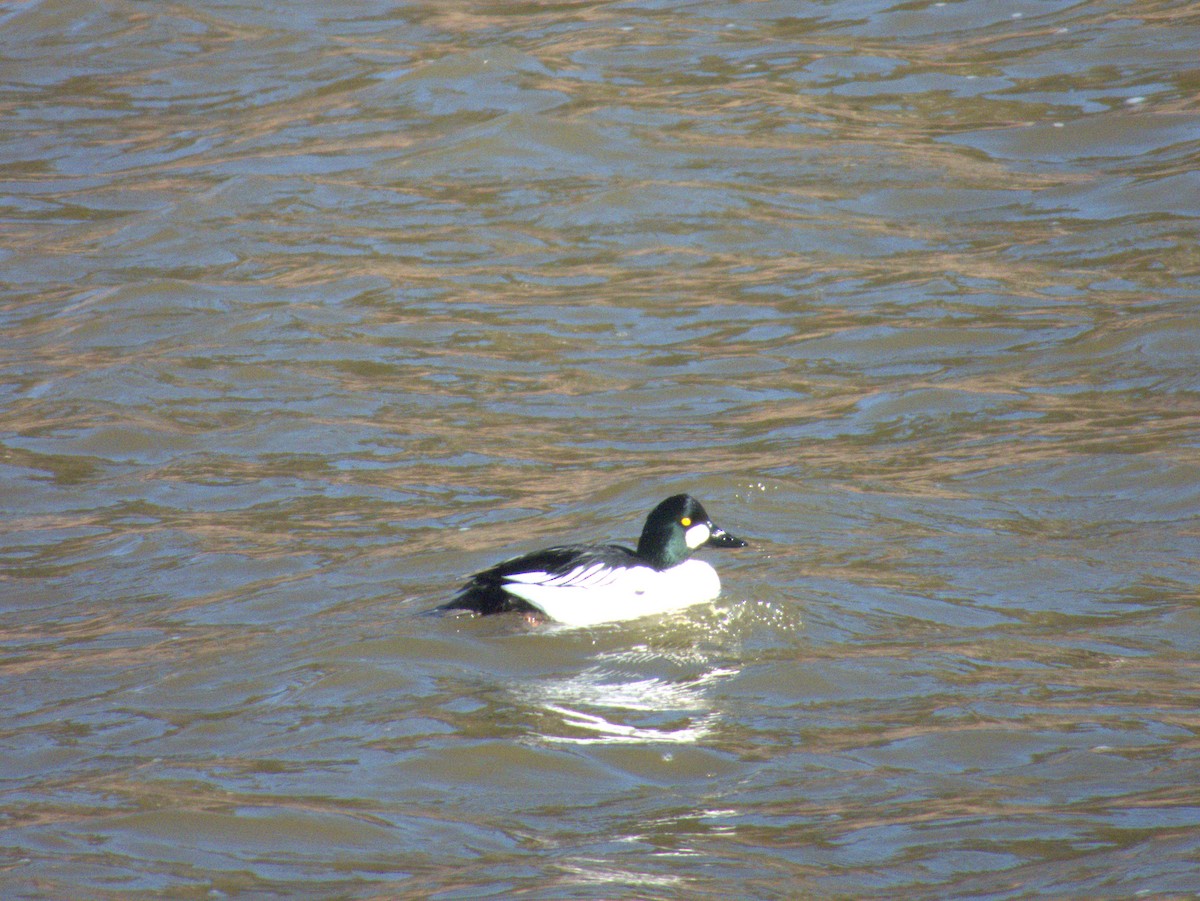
point(721, 538)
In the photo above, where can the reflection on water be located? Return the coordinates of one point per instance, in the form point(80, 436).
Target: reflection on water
point(597, 706)
point(309, 316)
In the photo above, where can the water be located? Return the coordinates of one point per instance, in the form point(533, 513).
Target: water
point(309, 313)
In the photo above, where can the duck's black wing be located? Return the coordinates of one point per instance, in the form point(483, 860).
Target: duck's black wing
point(484, 592)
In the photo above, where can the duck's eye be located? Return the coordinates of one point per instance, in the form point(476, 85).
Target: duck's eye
point(686, 521)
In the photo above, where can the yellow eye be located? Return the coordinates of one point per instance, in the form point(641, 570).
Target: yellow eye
point(685, 522)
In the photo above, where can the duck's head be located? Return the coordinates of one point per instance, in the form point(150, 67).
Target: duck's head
point(676, 528)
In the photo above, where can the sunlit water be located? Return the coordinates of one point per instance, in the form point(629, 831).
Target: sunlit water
point(311, 311)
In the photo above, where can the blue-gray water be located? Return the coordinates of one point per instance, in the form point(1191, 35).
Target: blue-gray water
point(309, 311)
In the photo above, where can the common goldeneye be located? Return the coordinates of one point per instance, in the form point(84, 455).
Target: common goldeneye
point(582, 585)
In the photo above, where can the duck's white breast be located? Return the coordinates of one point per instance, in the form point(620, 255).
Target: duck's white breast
point(629, 593)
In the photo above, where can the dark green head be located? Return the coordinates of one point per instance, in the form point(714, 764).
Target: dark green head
point(676, 528)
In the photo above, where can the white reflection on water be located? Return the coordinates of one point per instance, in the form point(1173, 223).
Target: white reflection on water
point(603, 873)
point(593, 704)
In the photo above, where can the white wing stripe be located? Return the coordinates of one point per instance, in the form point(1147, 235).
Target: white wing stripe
point(594, 576)
point(531, 578)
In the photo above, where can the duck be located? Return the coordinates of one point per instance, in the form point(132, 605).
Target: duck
point(585, 585)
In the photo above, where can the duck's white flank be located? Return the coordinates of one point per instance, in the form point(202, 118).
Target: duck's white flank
point(590, 595)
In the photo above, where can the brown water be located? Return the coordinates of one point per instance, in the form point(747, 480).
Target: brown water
point(310, 311)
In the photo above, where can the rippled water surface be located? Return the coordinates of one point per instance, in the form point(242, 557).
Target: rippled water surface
point(311, 310)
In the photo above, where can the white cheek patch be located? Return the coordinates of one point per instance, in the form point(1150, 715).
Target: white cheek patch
point(697, 535)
